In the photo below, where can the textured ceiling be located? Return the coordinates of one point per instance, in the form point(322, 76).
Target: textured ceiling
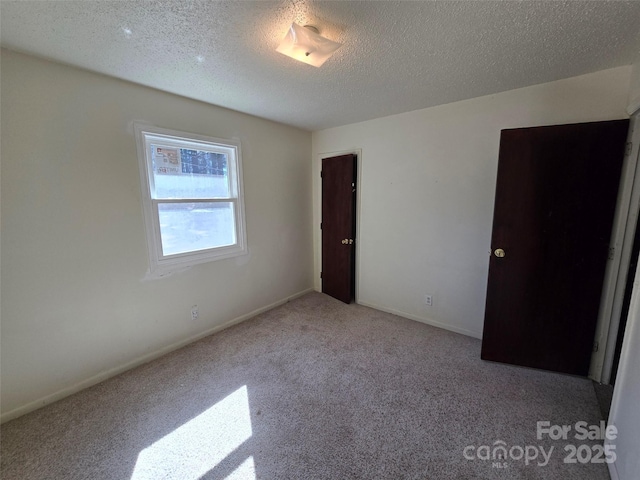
point(397, 56)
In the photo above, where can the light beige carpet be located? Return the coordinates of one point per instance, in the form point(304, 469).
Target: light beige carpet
point(314, 389)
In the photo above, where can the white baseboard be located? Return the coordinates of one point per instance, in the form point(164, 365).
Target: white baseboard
point(112, 372)
point(433, 323)
point(613, 472)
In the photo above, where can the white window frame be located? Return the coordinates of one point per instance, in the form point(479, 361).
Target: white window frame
point(159, 263)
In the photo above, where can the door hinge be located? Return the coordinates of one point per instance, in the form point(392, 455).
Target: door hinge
point(612, 252)
point(321, 174)
point(628, 148)
point(320, 225)
point(595, 347)
point(320, 274)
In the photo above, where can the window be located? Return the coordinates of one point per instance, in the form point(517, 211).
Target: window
point(192, 196)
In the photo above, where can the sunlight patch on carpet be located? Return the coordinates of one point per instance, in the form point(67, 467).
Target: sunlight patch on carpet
point(199, 445)
point(246, 471)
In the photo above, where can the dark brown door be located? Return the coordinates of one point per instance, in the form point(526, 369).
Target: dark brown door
point(338, 226)
point(555, 200)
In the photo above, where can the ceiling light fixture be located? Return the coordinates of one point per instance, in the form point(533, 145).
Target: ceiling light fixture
point(305, 44)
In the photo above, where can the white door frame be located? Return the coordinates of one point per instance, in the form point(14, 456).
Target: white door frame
point(622, 236)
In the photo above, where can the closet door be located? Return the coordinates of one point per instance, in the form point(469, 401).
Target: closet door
point(555, 200)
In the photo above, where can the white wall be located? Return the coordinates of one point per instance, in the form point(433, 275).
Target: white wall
point(427, 184)
point(634, 89)
point(75, 307)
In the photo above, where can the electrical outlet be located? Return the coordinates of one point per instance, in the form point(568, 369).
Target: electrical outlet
point(428, 300)
point(194, 312)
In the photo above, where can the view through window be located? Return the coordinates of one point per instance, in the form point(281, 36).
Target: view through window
point(192, 187)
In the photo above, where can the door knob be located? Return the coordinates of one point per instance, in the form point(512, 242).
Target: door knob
point(499, 252)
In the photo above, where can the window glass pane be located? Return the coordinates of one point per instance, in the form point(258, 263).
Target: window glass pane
point(188, 227)
point(186, 173)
